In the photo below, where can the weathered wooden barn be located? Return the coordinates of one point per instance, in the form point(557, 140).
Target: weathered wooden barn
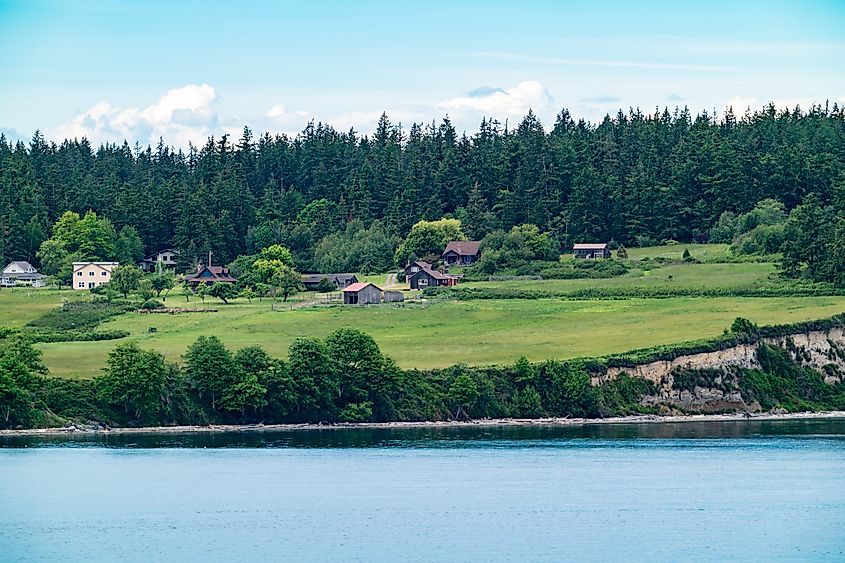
point(362, 293)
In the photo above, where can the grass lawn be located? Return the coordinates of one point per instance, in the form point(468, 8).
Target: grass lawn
point(676, 251)
point(20, 305)
point(745, 275)
point(442, 333)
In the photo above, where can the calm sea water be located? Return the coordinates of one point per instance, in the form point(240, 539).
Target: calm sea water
point(711, 491)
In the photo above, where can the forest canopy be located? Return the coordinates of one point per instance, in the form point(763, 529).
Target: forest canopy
point(634, 178)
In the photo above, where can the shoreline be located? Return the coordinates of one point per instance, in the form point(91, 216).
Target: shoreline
point(481, 423)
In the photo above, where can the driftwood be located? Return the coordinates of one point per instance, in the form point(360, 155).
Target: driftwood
point(175, 311)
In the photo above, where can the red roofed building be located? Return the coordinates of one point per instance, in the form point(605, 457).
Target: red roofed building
point(362, 293)
point(461, 252)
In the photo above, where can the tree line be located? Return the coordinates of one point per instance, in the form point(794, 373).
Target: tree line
point(343, 377)
point(635, 178)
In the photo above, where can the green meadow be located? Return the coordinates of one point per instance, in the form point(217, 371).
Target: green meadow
point(430, 333)
point(442, 333)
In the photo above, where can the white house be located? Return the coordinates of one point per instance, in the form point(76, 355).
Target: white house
point(20, 272)
point(167, 258)
point(88, 275)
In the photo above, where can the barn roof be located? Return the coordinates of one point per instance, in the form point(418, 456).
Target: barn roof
point(463, 247)
point(356, 287)
point(589, 246)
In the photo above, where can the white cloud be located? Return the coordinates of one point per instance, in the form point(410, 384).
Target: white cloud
point(276, 111)
point(741, 103)
point(180, 115)
point(507, 102)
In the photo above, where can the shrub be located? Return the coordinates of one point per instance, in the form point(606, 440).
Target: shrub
point(357, 412)
point(152, 304)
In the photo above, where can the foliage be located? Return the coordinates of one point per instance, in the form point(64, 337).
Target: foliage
point(631, 177)
point(814, 242)
point(128, 246)
point(78, 315)
point(356, 249)
point(427, 238)
point(126, 279)
point(345, 377)
point(134, 379)
point(523, 243)
point(223, 291)
point(20, 370)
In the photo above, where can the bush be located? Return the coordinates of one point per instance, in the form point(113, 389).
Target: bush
point(152, 304)
point(79, 315)
point(357, 412)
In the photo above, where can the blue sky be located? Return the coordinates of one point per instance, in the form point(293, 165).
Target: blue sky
point(110, 70)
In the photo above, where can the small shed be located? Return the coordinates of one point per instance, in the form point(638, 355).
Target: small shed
point(362, 293)
point(591, 250)
point(393, 296)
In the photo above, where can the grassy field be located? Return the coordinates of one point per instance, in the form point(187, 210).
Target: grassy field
point(20, 305)
point(443, 333)
point(701, 252)
point(739, 276)
point(440, 333)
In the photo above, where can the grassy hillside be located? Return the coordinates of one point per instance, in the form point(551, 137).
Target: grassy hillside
point(443, 333)
point(438, 333)
point(18, 306)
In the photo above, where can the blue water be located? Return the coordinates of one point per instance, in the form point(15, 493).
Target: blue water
point(738, 491)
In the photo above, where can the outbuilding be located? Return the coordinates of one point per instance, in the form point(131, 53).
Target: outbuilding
point(591, 250)
point(362, 293)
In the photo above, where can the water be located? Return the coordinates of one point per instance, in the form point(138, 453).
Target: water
point(712, 491)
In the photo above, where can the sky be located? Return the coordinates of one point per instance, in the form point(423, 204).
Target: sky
point(111, 70)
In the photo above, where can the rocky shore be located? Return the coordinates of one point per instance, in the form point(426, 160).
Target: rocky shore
point(221, 428)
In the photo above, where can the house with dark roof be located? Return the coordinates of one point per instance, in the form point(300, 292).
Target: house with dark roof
point(462, 252)
point(20, 272)
point(362, 293)
point(591, 250)
point(208, 275)
point(167, 258)
point(426, 277)
point(311, 281)
point(414, 267)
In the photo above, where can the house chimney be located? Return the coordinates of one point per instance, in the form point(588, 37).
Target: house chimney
point(209, 258)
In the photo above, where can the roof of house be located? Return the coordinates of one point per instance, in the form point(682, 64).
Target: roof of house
point(22, 264)
point(101, 265)
point(463, 247)
point(24, 275)
point(419, 263)
point(433, 273)
point(218, 273)
point(589, 246)
point(317, 278)
point(356, 287)
point(153, 257)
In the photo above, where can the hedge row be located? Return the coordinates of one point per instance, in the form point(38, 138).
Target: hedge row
point(75, 336)
point(613, 293)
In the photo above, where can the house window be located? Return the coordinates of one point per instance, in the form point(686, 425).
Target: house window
point(81, 284)
point(104, 273)
point(91, 274)
point(91, 285)
point(79, 274)
point(422, 282)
